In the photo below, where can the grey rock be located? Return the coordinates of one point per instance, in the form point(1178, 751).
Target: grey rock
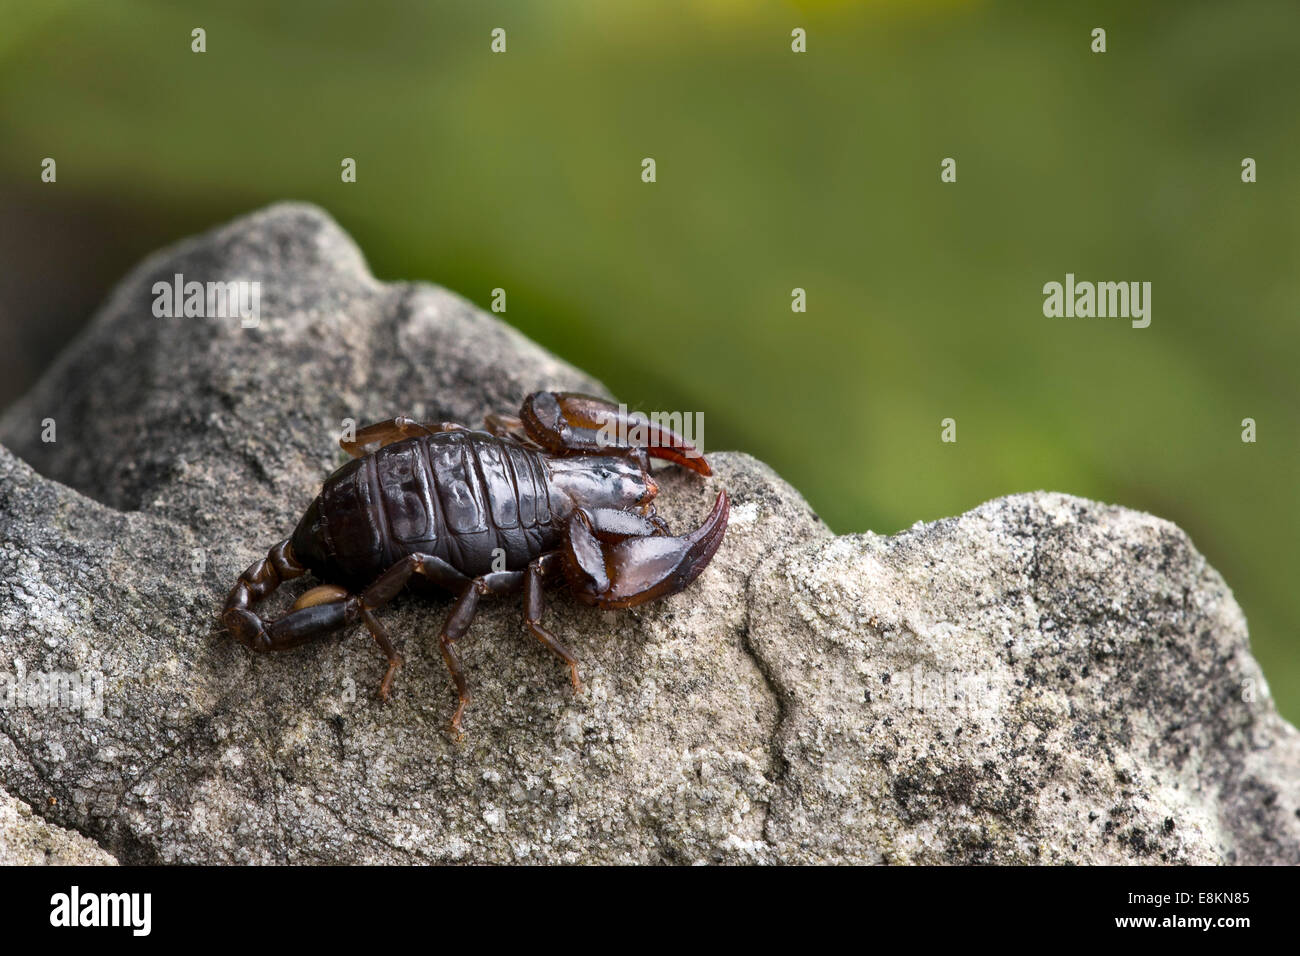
point(1043, 679)
point(28, 840)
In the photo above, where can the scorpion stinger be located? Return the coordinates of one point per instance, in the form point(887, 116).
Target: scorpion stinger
point(568, 422)
point(610, 568)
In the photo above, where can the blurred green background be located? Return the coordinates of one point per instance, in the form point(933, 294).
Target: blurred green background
point(775, 170)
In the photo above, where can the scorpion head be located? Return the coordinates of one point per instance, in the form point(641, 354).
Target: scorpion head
point(615, 557)
point(618, 482)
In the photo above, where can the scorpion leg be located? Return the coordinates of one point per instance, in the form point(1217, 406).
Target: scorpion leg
point(328, 608)
point(535, 577)
point(453, 629)
point(458, 622)
point(570, 423)
point(469, 590)
point(507, 426)
point(386, 587)
point(381, 638)
point(371, 438)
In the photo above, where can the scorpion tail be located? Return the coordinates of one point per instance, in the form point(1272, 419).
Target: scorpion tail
point(611, 570)
point(261, 578)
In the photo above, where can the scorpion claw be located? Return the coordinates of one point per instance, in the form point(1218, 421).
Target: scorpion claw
point(570, 422)
point(618, 571)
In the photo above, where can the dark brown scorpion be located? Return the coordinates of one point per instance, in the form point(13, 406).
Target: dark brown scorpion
point(551, 495)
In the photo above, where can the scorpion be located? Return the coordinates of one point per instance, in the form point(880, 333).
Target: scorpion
point(558, 494)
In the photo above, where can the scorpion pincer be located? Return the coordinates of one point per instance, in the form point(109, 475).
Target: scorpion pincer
point(547, 497)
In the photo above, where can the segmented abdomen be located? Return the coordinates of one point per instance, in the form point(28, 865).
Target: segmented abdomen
point(459, 495)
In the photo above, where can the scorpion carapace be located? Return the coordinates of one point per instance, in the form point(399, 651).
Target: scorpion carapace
point(552, 496)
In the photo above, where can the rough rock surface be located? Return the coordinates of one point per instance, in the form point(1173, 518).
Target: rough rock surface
point(1043, 679)
point(28, 840)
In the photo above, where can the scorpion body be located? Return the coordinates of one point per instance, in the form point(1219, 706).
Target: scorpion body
point(532, 500)
point(479, 502)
